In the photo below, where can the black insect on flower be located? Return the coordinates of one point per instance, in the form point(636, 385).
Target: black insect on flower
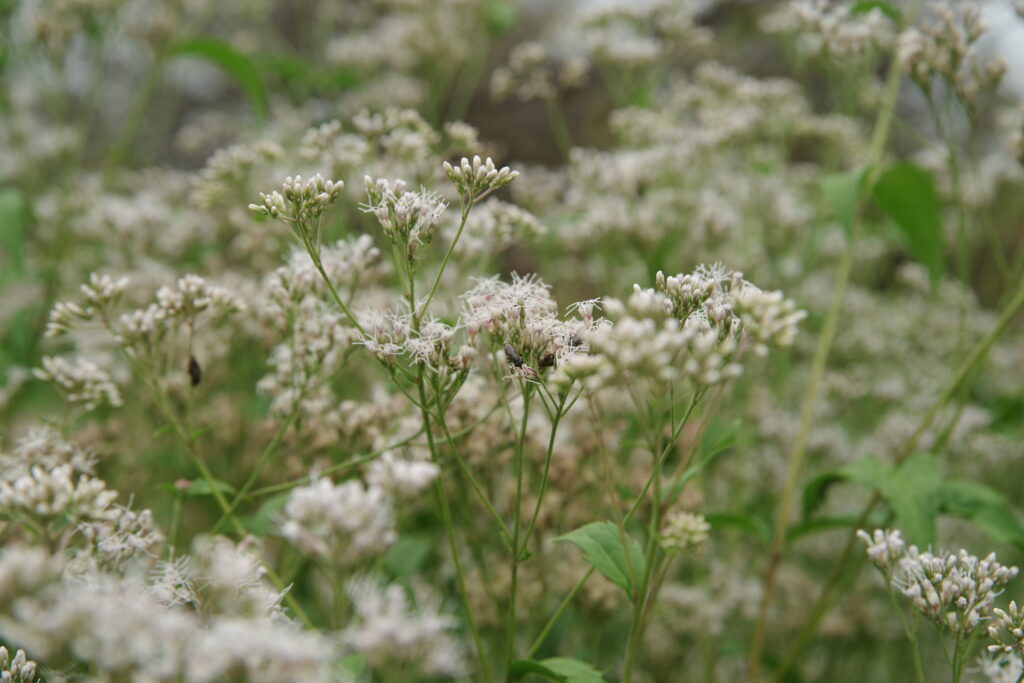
point(195, 373)
point(513, 356)
point(547, 360)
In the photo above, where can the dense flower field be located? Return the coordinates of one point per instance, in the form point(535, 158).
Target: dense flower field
point(485, 340)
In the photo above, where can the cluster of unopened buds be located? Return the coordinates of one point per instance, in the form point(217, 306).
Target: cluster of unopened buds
point(955, 591)
point(478, 178)
point(299, 200)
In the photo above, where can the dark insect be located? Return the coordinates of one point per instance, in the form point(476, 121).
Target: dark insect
point(513, 356)
point(195, 373)
point(547, 360)
point(575, 341)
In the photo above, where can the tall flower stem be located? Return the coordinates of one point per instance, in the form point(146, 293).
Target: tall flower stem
point(795, 457)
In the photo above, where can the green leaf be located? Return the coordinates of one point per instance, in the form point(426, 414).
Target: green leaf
point(200, 487)
point(907, 195)
point(869, 472)
point(744, 521)
point(816, 490)
point(232, 62)
point(573, 670)
point(258, 523)
point(12, 234)
point(500, 16)
point(408, 555)
point(865, 6)
point(985, 508)
point(601, 544)
point(912, 491)
point(353, 664)
point(842, 192)
point(564, 669)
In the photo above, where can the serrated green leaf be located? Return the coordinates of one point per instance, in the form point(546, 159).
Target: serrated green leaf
point(842, 193)
point(907, 195)
point(601, 544)
point(237, 65)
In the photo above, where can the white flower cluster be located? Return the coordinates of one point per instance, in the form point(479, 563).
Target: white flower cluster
point(43, 446)
point(684, 530)
point(689, 326)
point(832, 29)
point(49, 482)
point(193, 302)
point(533, 74)
point(300, 202)
point(391, 335)
point(767, 317)
point(343, 523)
point(400, 478)
point(118, 625)
point(1007, 629)
point(410, 220)
point(476, 179)
point(80, 381)
point(520, 318)
point(98, 296)
point(944, 49)
point(955, 591)
point(394, 636)
point(20, 669)
point(48, 494)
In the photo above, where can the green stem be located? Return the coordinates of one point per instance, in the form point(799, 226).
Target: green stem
point(466, 206)
point(258, 469)
point(795, 458)
point(547, 469)
point(516, 519)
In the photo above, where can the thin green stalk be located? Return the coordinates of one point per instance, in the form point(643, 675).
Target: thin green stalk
point(466, 206)
point(795, 458)
point(315, 258)
point(258, 469)
point(559, 127)
point(527, 390)
point(547, 469)
point(446, 517)
point(506, 537)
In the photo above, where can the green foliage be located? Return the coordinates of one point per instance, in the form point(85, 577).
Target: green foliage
point(842, 193)
point(865, 6)
point(906, 193)
point(237, 65)
point(563, 669)
point(602, 546)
